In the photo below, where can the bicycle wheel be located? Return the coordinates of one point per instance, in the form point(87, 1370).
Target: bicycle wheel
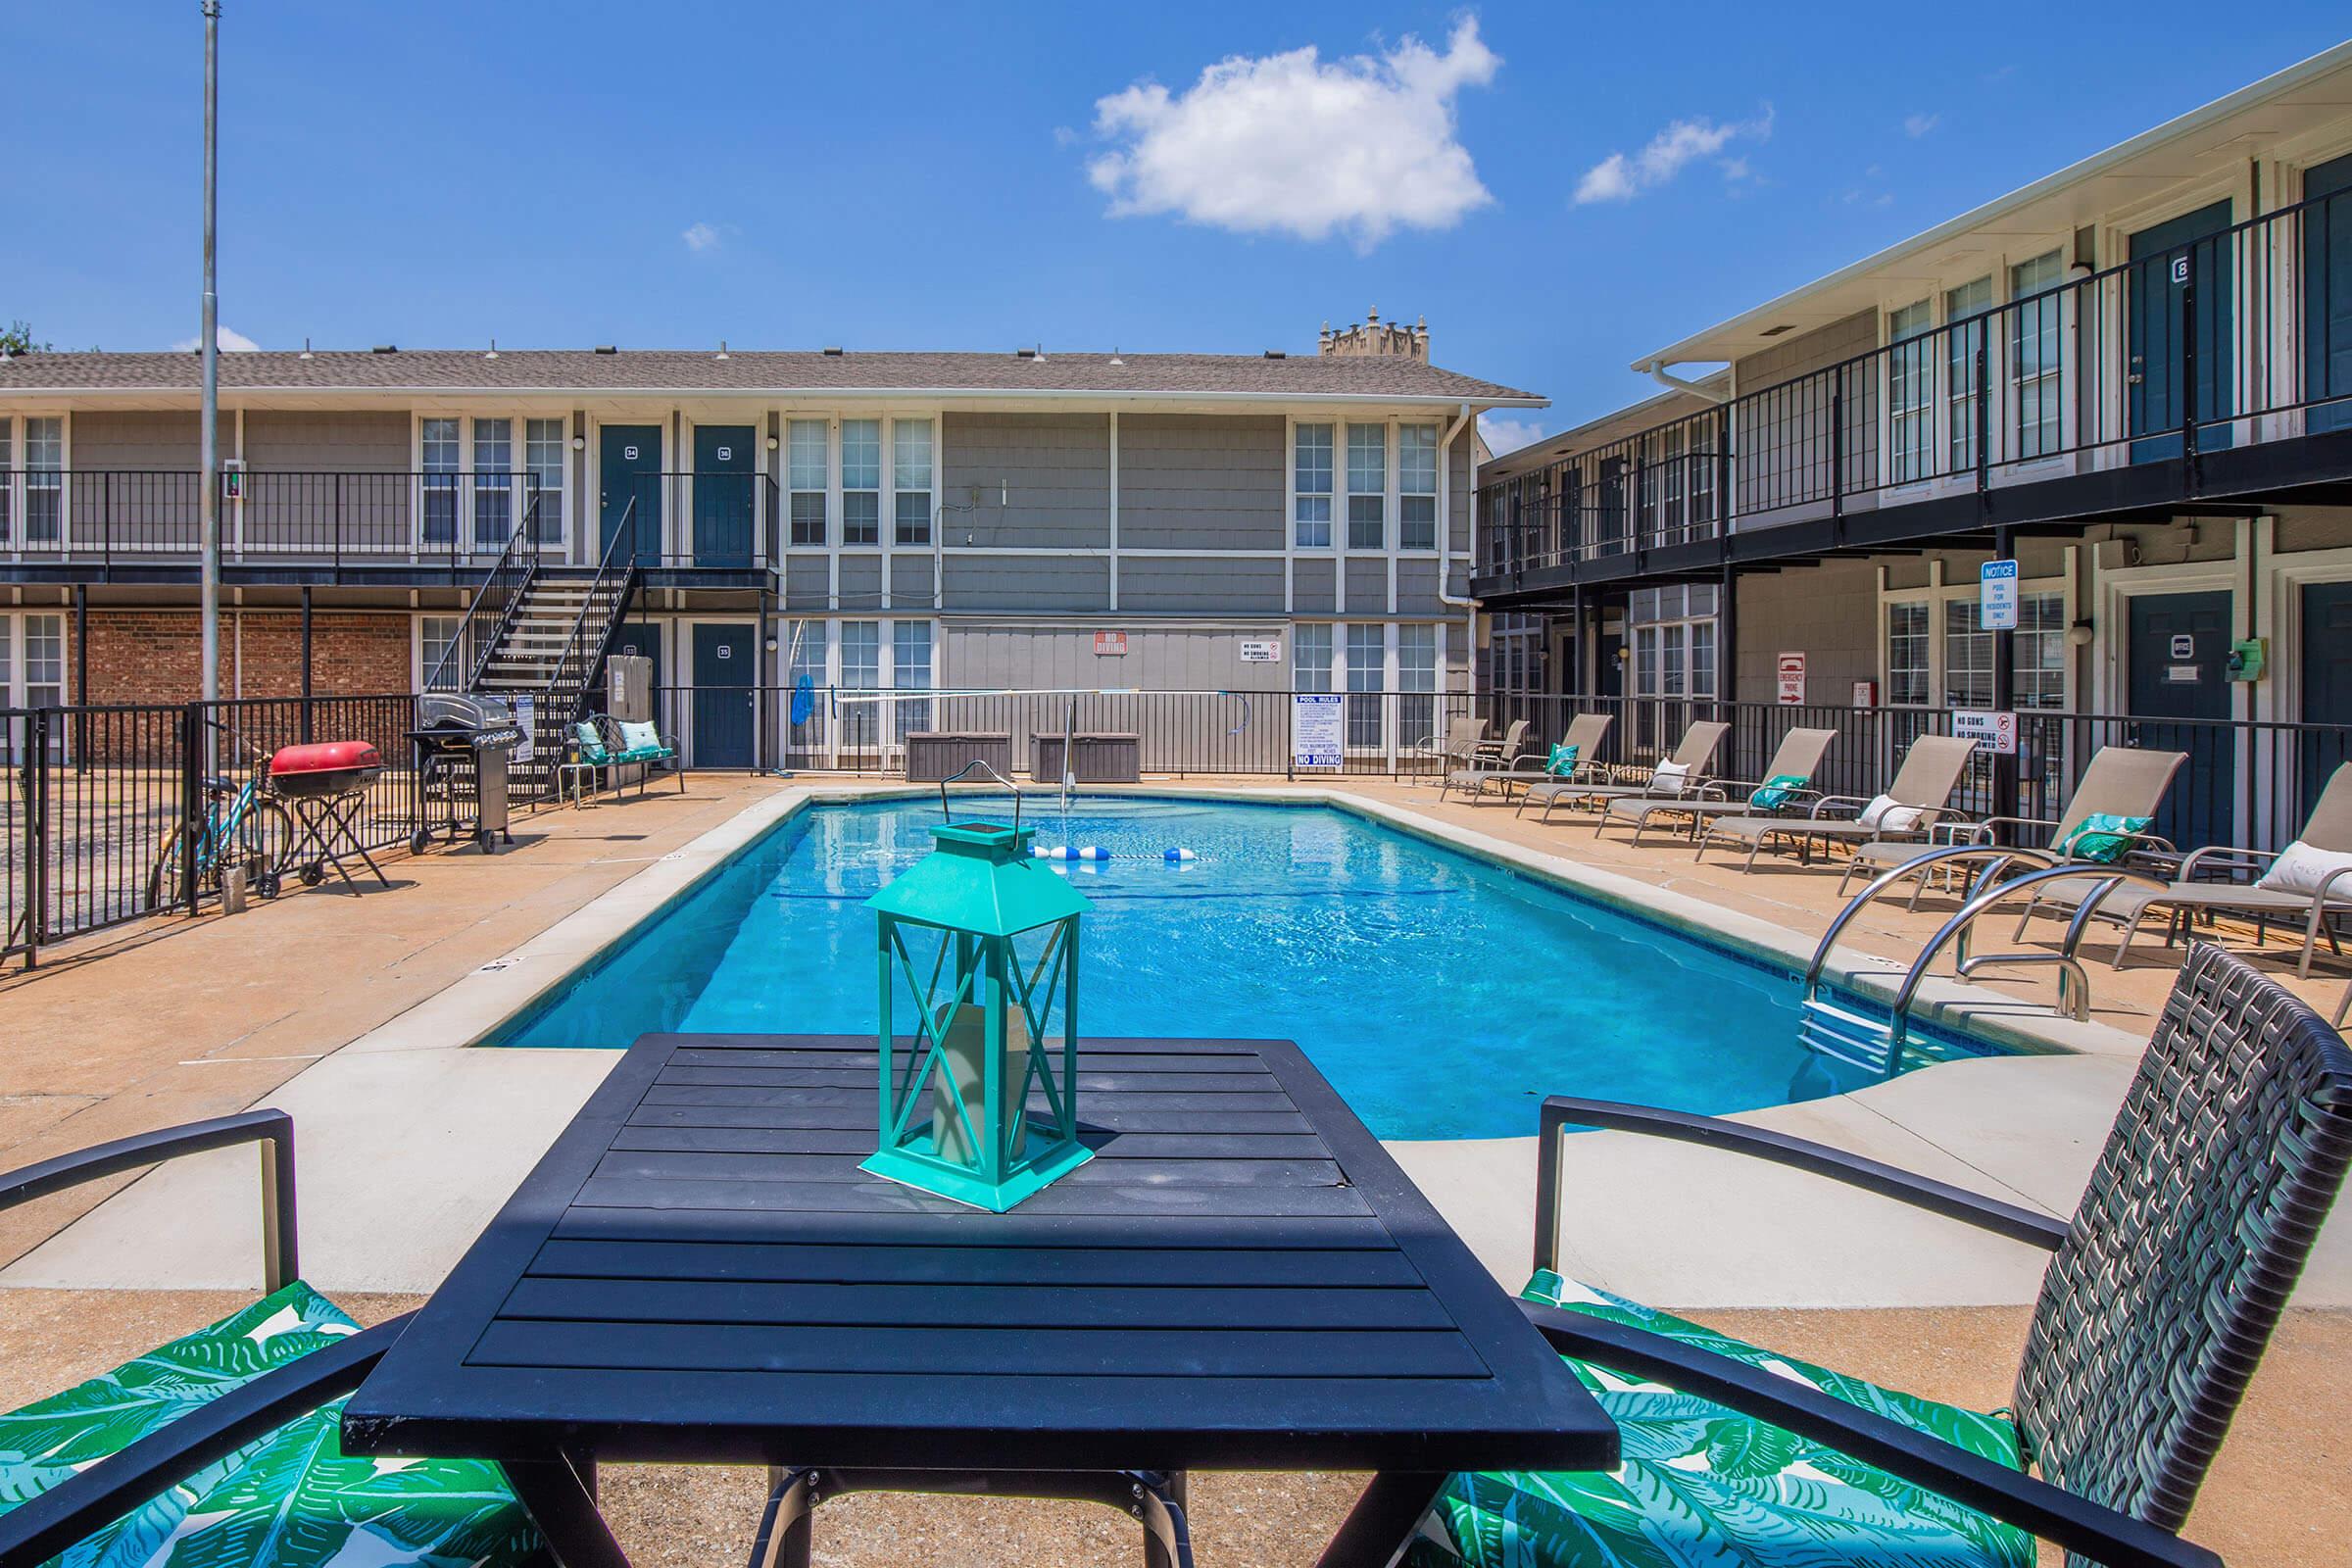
point(265, 838)
point(163, 877)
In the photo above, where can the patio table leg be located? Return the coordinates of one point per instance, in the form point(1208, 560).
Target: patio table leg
point(562, 1500)
point(1380, 1526)
point(1155, 1497)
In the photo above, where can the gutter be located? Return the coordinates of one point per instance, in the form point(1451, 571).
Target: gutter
point(930, 394)
point(1657, 371)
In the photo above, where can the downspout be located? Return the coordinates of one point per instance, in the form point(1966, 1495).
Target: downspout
point(1445, 556)
point(1675, 383)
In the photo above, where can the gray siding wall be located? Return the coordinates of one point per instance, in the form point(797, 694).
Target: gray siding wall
point(1311, 585)
point(1783, 445)
point(1157, 659)
point(137, 439)
point(861, 582)
point(1368, 587)
point(910, 580)
point(1828, 612)
point(302, 441)
point(1417, 588)
point(1205, 481)
point(804, 582)
point(1028, 582)
point(1032, 480)
point(1225, 587)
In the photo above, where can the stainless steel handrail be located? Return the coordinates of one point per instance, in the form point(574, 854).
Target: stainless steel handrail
point(1997, 855)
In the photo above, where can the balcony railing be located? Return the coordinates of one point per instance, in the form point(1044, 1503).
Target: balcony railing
point(109, 516)
point(2236, 338)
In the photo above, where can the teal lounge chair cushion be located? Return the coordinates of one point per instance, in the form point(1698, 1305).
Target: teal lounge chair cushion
point(1562, 760)
point(590, 743)
point(2102, 837)
point(291, 1500)
point(1702, 1484)
point(1775, 793)
point(640, 737)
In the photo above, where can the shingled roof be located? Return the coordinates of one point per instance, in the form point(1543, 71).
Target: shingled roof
point(672, 370)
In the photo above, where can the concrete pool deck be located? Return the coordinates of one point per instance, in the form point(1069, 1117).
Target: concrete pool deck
point(354, 1013)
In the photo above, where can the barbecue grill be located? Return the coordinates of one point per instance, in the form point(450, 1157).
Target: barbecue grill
point(322, 786)
point(461, 745)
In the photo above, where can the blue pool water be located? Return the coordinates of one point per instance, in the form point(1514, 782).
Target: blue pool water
point(1443, 996)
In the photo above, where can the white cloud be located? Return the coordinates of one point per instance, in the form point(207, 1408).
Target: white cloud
point(1292, 144)
point(1621, 176)
point(1506, 434)
point(700, 238)
point(231, 342)
point(1917, 126)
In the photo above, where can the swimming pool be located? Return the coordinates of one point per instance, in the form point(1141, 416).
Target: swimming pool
point(1442, 995)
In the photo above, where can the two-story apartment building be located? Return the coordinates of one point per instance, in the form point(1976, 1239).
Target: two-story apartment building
point(2134, 378)
point(866, 521)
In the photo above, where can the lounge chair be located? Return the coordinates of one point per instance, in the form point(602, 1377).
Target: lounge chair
point(604, 742)
point(1920, 791)
point(2328, 832)
point(1586, 732)
point(2121, 782)
point(1458, 749)
point(1693, 752)
point(223, 1446)
point(1490, 758)
point(2161, 1293)
point(1794, 760)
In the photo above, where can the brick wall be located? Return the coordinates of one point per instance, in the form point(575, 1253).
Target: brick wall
point(153, 656)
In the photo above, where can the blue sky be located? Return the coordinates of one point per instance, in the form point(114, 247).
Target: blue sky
point(968, 176)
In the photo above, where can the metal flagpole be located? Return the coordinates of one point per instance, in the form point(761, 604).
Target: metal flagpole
point(210, 346)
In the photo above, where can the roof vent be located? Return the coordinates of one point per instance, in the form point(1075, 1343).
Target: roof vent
point(493, 354)
point(306, 347)
point(1776, 331)
point(722, 348)
point(831, 350)
point(1276, 354)
point(1115, 359)
point(1024, 354)
point(606, 348)
point(387, 348)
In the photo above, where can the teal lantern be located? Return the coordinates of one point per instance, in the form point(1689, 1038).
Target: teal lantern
point(984, 939)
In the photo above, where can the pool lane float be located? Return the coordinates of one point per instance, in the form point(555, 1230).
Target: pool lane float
point(1095, 852)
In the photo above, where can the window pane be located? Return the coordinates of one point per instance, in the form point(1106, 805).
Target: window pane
point(1367, 648)
point(1907, 653)
point(805, 462)
point(860, 669)
point(1310, 465)
point(44, 660)
point(910, 670)
point(861, 516)
point(493, 461)
point(913, 516)
point(1314, 521)
point(439, 445)
point(1961, 348)
point(2038, 650)
point(2034, 325)
point(911, 454)
point(809, 662)
point(1967, 655)
point(1910, 391)
point(1310, 658)
point(809, 517)
point(543, 452)
point(44, 483)
point(1417, 486)
point(1367, 486)
point(862, 454)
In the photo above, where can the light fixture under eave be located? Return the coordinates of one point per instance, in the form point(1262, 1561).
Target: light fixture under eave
point(2080, 633)
point(579, 443)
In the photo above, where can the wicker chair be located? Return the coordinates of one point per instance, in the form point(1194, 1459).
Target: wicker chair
point(2161, 1293)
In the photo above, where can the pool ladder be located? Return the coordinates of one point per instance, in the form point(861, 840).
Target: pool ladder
point(1876, 1044)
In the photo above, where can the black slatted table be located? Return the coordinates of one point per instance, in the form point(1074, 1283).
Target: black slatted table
point(1240, 1279)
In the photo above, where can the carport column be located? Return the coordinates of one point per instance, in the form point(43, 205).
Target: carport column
point(305, 665)
point(2004, 688)
point(1576, 645)
point(1727, 637)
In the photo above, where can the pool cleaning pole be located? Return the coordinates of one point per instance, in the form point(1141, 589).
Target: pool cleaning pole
point(208, 502)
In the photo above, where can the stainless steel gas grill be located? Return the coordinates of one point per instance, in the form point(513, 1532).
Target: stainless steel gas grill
point(463, 744)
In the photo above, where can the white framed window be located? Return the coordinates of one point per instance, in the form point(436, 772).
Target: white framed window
point(1367, 671)
point(861, 670)
point(862, 482)
point(804, 480)
point(808, 662)
point(1967, 655)
point(1310, 482)
point(2034, 350)
point(44, 479)
point(1417, 487)
point(1908, 670)
point(1700, 464)
point(1702, 658)
point(1311, 657)
point(440, 452)
point(8, 488)
point(543, 454)
point(1417, 681)
point(434, 634)
point(44, 659)
point(1963, 306)
point(1367, 487)
point(493, 492)
point(2037, 652)
point(1911, 392)
point(910, 671)
point(911, 479)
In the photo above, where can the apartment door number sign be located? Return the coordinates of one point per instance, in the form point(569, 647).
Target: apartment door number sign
point(1791, 670)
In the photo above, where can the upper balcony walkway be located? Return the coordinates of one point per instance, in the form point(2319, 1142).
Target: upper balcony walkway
point(2212, 376)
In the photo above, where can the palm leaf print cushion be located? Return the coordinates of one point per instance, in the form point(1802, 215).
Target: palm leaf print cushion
point(290, 1500)
point(1703, 1484)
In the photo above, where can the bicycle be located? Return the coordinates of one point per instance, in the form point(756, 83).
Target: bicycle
point(242, 826)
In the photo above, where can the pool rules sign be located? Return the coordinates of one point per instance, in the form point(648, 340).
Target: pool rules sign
point(1316, 732)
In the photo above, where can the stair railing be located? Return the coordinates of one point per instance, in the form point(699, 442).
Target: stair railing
point(615, 583)
point(501, 589)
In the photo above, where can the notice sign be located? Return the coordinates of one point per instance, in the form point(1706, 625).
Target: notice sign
point(1997, 596)
point(1791, 667)
point(527, 710)
point(1261, 651)
point(1110, 645)
point(1316, 730)
point(1993, 732)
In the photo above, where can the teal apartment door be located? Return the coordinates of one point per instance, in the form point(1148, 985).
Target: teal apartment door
point(2167, 261)
point(629, 470)
point(2326, 681)
point(726, 663)
point(2328, 294)
point(723, 521)
point(2179, 651)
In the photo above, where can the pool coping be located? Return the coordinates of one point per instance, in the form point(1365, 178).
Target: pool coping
point(468, 1012)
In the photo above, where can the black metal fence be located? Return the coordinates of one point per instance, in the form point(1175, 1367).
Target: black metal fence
point(97, 801)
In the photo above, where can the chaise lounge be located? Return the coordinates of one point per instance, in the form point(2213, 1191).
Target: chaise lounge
point(1918, 798)
point(1682, 774)
point(1786, 787)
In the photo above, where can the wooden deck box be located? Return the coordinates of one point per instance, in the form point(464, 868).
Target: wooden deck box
point(935, 754)
point(1097, 758)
